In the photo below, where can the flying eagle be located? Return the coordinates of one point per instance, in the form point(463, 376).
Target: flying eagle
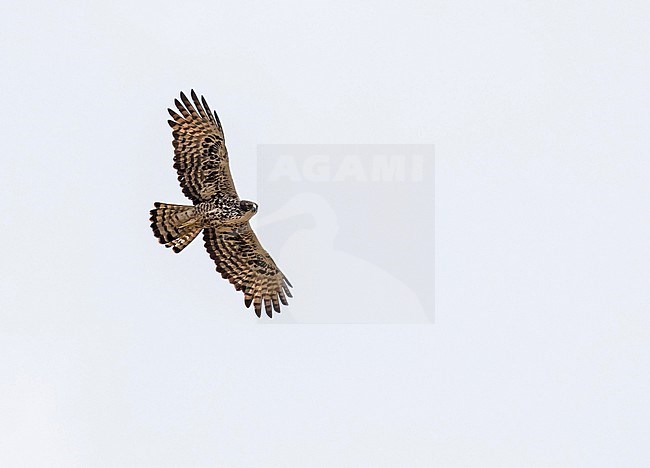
point(201, 160)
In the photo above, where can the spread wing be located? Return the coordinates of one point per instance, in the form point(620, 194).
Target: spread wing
point(242, 260)
point(200, 154)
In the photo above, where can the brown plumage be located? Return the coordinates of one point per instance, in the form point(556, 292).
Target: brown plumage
point(201, 160)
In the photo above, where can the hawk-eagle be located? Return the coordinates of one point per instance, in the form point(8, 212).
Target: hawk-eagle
point(201, 160)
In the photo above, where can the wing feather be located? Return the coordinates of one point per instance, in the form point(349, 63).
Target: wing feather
point(200, 155)
point(241, 259)
point(181, 108)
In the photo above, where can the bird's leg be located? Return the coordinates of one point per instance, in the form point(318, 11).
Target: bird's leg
point(188, 223)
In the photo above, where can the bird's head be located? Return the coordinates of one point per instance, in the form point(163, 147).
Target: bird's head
point(249, 208)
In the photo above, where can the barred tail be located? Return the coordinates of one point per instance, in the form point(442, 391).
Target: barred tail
point(175, 225)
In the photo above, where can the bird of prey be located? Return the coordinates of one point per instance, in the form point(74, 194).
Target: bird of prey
point(201, 160)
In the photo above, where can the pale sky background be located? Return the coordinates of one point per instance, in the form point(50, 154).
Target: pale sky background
point(116, 353)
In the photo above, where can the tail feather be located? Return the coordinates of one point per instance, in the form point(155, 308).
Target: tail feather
point(175, 225)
